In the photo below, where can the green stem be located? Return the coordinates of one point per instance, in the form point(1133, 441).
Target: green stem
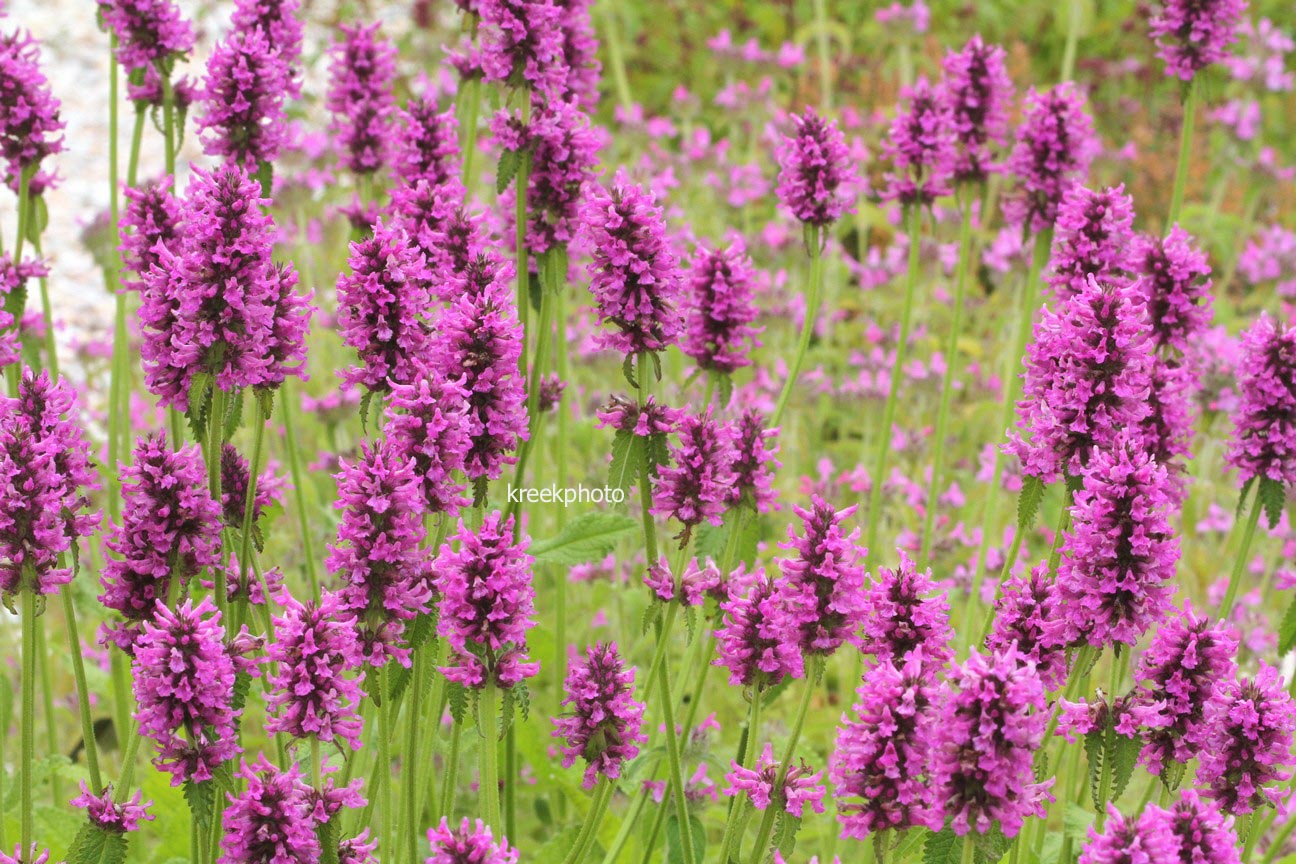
point(1240, 561)
point(1185, 152)
point(676, 773)
point(215, 444)
point(627, 825)
point(168, 121)
point(126, 779)
point(83, 692)
point(814, 246)
point(1072, 40)
point(969, 849)
point(1027, 300)
point(47, 704)
point(825, 62)
point(299, 488)
point(593, 816)
point(616, 55)
point(28, 711)
point(450, 783)
point(947, 380)
point(254, 469)
point(521, 186)
point(913, 227)
point(780, 779)
point(409, 763)
point(488, 707)
point(386, 722)
point(745, 759)
point(468, 126)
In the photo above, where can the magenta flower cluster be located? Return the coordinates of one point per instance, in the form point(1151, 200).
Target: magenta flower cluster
point(1055, 145)
point(921, 146)
point(801, 788)
point(361, 71)
point(1093, 236)
point(816, 174)
point(979, 93)
point(486, 604)
point(470, 843)
point(1264, 433)
point(823, 578)
point(601, 724)
point(1193, 34)
point(243, 117)
point(902, 613)
point(720, 308)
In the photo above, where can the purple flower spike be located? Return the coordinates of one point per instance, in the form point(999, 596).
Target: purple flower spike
point(801, 786)
point(315, 649)
point(234, 484)
point(1248, 745)
point(823, 580)
point(697, 484)
point(106, 813)
point(170, 530)
point(428, 422)
point(1093, 237)
point(33, 856)
point(580, 55)
point(243, 116)
point(754, 462)
point(816, 174)
point(270, 821)
point(486, 604)
point(470, 844)
point(921, 146)
point(980, 95)
point(377, 555)
point(1204, 835)
point(879, 765)
point(383, 306)
point(218, 304)
point(1087, 377)
point(184, 690)
point(1173, 277)
point(990, 726)
point(1146, 839)
point(1024, 615)
point(45, 478)
point(1193, 34)
point(602, 724)
point(522, 44)
point(1116, 576)
point(1264, 424)
point(152, 216)
point(278, 22)
point(149, 32)
point(1055, 145)
point(1187, 659)
point(720, 308)
point(564, 150)
point(30, 126)
point(478, 344)
point(901, 616)
point(634, 275)
point(361, 71)
point(427, 143)
point(759, 638)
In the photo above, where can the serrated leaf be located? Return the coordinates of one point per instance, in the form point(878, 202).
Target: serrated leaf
point(1272, 496)
point(457, 698)
point(1287, 629)
point(200, 797)
point(507, 169)
point(690, 622)
point(991, 846)
point(242, 684)
point(657, 452)
point(651, 615)
point(942, 847)
point(588, 537)
point(199, 405)
point(1094, 745)
point(724, 388)
point(627, 460)
point(1242, 498)
point(785, 833)
point(628, 370)
point(555, 849)
point(675, 840)
point(1076, 821)
point(1032, 492)
point(535, 294)
point(365, 402)
point(95, 845)
point(1124, 758)
point(233, 414)
point(265, 401)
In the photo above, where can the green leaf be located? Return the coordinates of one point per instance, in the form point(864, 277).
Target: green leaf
point(1123, 754)
point(628, 370)
point(233, 415)
point(201, 797)
point(199, 404)
point(1094, 745)
point(535, 293)
point(651, 615)
point(507, 169)
point(657, 452)
point(1032, 492)
point(588, 537)
point(724, 387)
point(1242, 498)
point(785, 833)
point(674, 840)
point(1172, 775)
point(1076, 821)
point(365, 401)
point(457, 698)
point(1287, 629)
point(991, 846)
point(555, 849)
point(265, 401)
point(627, 461)
point(1272, 496)
point(942, 847)
point(94, 845)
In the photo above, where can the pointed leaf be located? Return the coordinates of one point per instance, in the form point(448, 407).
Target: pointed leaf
point(1287, 629)
point(588, 537)
point(627, 461)
point(943, 847)
point(95, 845)
point(1124, 757)
point(1272, 496)
point(1032, 492)
point(507, 169)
